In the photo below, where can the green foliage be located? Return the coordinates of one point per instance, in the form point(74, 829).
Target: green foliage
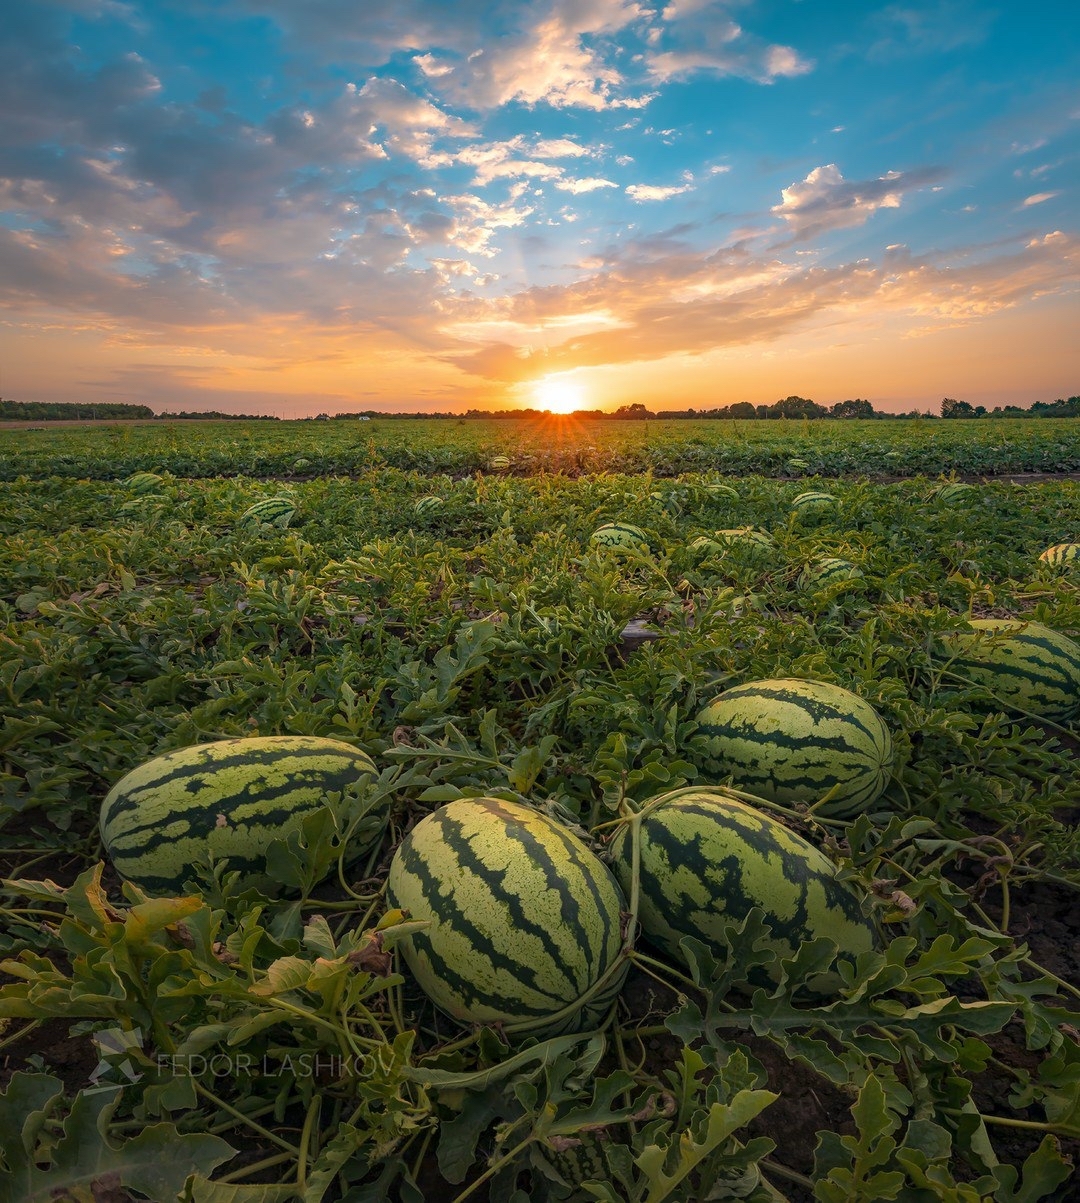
point(477, 647)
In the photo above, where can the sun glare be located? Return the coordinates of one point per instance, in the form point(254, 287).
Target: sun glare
point(558, 395)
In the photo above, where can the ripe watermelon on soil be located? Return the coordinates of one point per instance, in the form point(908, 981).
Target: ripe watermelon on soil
point(524, 918)
point(230, 798)
point(792, 741)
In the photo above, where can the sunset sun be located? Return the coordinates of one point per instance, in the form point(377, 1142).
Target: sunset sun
point(558, 395)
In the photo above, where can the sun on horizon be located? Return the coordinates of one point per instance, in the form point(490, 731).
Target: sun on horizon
point(557, 394)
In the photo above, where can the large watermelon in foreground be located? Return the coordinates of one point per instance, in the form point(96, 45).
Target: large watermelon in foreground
point(1026, 664)
point(707, 860)
point(795, 741)
point(230, 798)
point(524, 918)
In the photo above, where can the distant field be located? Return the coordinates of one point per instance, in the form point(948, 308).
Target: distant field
point(461, 447)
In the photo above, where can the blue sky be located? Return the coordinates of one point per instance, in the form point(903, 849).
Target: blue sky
point(286, 206)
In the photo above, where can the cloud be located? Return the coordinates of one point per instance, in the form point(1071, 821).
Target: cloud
point(588, 184)
point(1038, 198)
point(559, 148)
point(825, 201)
point(696, 37)
point(653, 192)
point(678, 301)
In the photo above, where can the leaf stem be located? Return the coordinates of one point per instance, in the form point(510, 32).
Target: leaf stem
point(229, 1109)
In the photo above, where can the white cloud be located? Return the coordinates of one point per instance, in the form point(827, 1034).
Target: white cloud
point(432, 67)
point(652, 192)
point(559, 148)
point(784, 61)
point(1038, 198)
point(590, 184)
point(824, 200)
point(696, 37)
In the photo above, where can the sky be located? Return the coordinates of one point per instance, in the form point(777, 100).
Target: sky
point(300, 206)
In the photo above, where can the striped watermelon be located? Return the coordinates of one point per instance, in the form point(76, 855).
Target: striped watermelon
point(813, 504)
point(1062, 555)
point(427, 505)
point(746, 540)
point(525, 919)
point(792, 741)
point(704, 545)
point(708, 859)
point(1025, 664)
point(274, 511)
point(829, 574)
point(142, 483)
point(230, 798)
point(499, 463)
point(619, 536)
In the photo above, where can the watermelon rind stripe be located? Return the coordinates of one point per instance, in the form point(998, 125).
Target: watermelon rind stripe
point(452, 914)
point(455, 837)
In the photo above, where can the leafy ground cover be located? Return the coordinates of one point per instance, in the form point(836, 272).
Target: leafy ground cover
point(561, 445)
point(226, 1046)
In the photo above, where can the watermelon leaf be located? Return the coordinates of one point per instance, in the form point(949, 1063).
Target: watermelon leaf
point(156, 1163)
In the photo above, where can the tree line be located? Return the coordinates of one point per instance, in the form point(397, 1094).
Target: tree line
point(787, 407)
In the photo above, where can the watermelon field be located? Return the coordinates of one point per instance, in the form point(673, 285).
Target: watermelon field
point(540, 812)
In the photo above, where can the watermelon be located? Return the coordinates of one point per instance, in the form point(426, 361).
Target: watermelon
point(274, 511)
point(427, 505)
point(707, 859)
point(524, 918)
point(829, 574)
point(1025, 664)
point(746, 540)
point(1061, 555)
point(142, 483)
point(792, 741)
point(230, 798)
point(619, 536)
point(499, 463)
point(813, 504)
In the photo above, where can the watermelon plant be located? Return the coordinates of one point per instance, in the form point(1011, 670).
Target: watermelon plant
point(921, 1047)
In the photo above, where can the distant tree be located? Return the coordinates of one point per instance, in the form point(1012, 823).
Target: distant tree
point(632, 412)
point(856, 408)
point(742, 409)
point(797, 407)
point(951, 408)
